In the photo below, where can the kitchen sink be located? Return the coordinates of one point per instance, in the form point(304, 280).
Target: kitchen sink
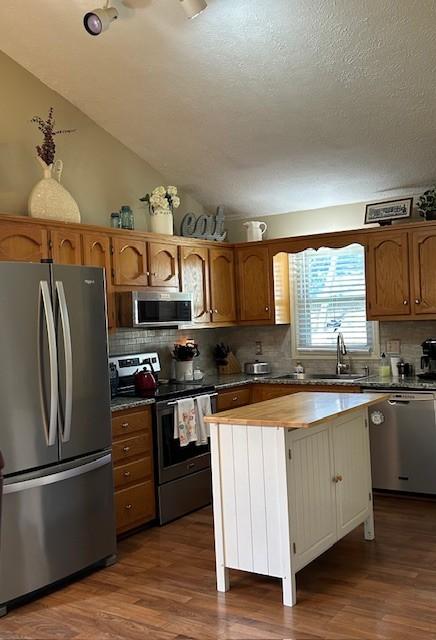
point(325, 376)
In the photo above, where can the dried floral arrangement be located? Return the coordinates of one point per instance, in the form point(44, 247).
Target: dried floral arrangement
point(46, 151)
point(162, 199)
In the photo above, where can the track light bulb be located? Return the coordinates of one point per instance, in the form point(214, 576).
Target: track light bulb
point(97, 21)
point(193, 8)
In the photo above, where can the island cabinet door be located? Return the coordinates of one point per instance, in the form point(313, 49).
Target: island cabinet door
point(387, 275)
point(352, 471)
point(222, 285)
point(311, 493)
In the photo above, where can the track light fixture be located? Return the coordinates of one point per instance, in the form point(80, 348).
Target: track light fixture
point(193, 8)
point(97, 21)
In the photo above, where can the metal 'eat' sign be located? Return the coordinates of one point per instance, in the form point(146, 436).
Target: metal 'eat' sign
point(206, 227)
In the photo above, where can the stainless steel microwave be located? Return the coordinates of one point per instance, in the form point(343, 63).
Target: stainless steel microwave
point(154, 309)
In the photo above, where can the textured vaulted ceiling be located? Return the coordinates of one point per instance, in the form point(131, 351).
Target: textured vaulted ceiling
point(265, 106)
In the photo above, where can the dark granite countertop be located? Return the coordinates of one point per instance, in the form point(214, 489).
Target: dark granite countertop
point(118, 404)
point(222, 382)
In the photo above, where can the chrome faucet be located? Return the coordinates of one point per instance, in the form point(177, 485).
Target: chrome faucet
point(341, 351)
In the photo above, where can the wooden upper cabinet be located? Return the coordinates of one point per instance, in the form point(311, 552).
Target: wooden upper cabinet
point(194, 265)
point(23, 242)
point(423, 269)
point(66, 246)
point(222, 284)
point(387, 275)
point(130, 262)
point(163, 265)
point(97, 253)
point(254, 282)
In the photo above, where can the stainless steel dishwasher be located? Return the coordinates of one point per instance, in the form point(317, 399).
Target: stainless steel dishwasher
point(403, 442)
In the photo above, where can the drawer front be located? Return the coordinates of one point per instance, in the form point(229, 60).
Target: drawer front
point(133, 472)
point(127, 423)
point(131, 447)
point(134, 506)
point(234, 398)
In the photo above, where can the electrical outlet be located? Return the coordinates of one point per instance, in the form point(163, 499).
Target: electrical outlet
point(258, 348)
point(393, 346)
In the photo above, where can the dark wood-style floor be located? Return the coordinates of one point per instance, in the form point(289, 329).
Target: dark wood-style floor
point(163, 587)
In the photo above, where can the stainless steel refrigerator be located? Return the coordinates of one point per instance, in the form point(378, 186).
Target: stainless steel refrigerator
point(55, 426)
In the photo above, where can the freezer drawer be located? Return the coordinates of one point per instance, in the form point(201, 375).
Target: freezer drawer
point(403, 443)
point(54, 526)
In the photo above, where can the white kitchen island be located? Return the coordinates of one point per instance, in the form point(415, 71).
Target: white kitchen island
point(291, 476)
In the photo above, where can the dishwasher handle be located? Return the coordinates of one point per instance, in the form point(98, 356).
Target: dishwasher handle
point(394, 402)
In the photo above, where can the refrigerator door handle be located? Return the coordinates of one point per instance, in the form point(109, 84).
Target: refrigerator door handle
point(66, 330)
point(51, 336)
point(57, 477)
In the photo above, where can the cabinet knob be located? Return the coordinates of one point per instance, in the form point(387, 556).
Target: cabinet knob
point(128, 507)
point(337, 478)
point(405, 302)
point(417, 301)
point(126, 449)
point(235, 398)
point(125, 425)
point(215, 310)
point(152, 273)
point(126, 474)
point(266, 308)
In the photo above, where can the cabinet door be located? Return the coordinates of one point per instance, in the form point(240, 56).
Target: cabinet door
point(66, 246)
point(97, 253)
point(312, 493)
point(222, 285)
point(194, 264)
point(423, 271)
point(23, 242)
point(387, 275)
point(352, 471)
point(254, 282)
point(163, 265)
point(130, 262)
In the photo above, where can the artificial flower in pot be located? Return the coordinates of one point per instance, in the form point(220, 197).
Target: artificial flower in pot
point(161, 204)
point(184, 355)
point(48, 198)
point(427, 204)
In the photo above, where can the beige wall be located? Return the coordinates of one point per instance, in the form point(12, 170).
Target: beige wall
point(100, 172)
point(339, 218)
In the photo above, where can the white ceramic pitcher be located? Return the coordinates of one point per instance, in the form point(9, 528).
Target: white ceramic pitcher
point(255, 230)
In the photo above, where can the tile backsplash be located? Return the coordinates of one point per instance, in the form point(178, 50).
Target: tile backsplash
point(275, 340)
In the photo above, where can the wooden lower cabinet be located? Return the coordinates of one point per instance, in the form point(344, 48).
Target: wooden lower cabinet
point(263, 392)
point(132, 451)
point(232, 398)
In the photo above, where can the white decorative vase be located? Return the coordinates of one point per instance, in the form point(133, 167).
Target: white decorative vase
point(161, 221)
point(184, 370)
point(49, 199)
point(255, 230)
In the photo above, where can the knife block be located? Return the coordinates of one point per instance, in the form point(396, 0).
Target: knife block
point(232, 365)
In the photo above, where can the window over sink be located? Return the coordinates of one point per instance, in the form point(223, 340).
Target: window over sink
point(328, 297)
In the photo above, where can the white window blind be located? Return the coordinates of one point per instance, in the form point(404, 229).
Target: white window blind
point(329, 296)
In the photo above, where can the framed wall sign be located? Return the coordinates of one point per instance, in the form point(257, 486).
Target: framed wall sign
point(385, 212)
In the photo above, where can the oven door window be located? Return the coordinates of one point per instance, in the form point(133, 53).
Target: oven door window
point(172, 452)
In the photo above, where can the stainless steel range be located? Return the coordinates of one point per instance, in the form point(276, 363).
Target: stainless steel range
point(183, 474)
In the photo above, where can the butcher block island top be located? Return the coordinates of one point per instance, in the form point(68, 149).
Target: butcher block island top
point(298, 410)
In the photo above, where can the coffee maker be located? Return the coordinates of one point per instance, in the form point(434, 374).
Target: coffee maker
point(428, 359)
